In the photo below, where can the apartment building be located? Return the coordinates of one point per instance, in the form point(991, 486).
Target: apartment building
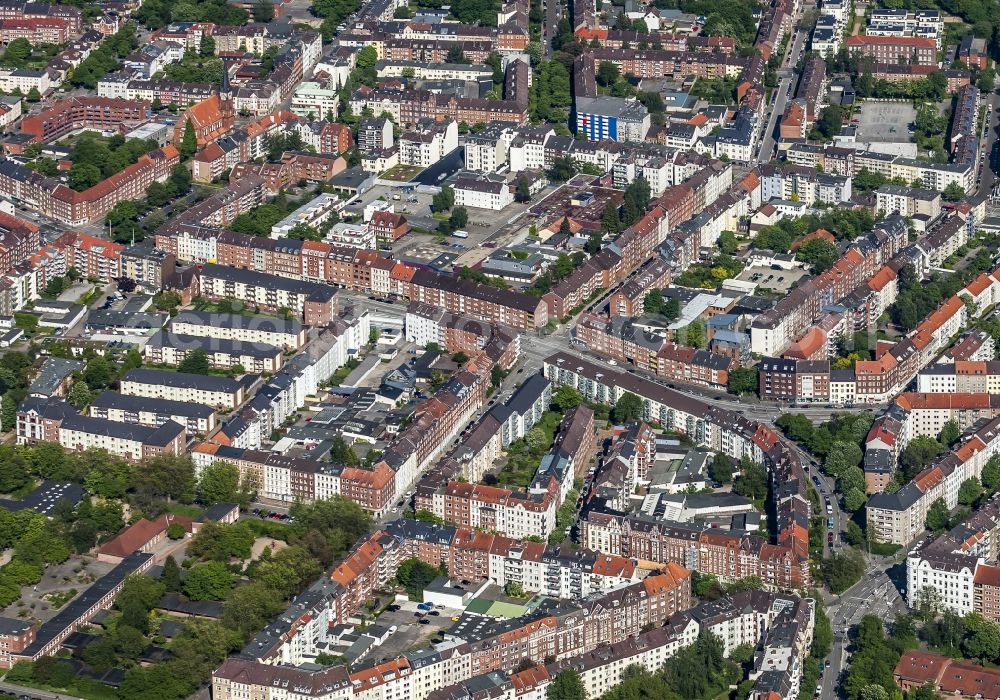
point(54, 199)
point(91, 256)
point(429, 141)
point(123, 408)
point(487, 150)
point(721, 553)
point(629, 341)
point(147, 266)
point(960, 377)
point(15, 636)
point(899, 517)
point(772, 331)
point(314, 303)
point(221, 392)
point(781, 625)
point(500, 306)
point(267, 330)
point(908, 201)
point(483, 193)
point(894, 49)
point(131, 442)
point(171, 348)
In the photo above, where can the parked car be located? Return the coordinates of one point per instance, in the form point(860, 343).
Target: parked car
point(435, 613)
point(829, 523)
point(425, 621)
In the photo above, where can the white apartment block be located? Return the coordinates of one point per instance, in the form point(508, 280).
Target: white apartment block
point(429, 142)
point(268, 330)
point(177, 386)
point(948, 580)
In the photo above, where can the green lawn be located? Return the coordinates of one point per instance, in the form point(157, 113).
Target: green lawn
point(401, 173)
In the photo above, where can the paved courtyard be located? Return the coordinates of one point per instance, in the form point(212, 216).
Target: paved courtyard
point(885, 121)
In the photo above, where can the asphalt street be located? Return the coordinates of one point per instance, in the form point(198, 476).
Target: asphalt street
point(34, 693)
point(876, 594)
point(780, 95)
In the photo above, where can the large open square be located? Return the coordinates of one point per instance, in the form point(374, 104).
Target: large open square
point(885, 121)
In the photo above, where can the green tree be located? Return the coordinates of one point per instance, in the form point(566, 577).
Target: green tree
point(194, 362)
point(819, 253)
point(208, 581)
point(991, 474)
point(752, 481)
point(743, 380)
point(206, 48)
point(171, 575)
point(566, 398)
point(984, 642)
point(566, 686)
point(459, 218)
point(8, 412)
point(831, 121)
point(919, 453)
point(17, 53)
point(610, 222)
point(628, 408)
point(843, 569)
point(219, 483)
point(263, 11)
point(969, 492)
point(342, 453)
point(523, 192)
point(854, 499)
point(80, 394)
point(414, 575)
point(562, 169)
point(721, 469)
point(728, 243)
point(189, 142)
point(937, 517)
point(950, 433)
point(83, 176)
point(954, 192)
point(594, 243)
point(608, 73)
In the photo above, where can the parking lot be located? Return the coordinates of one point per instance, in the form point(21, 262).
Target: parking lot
point(411, 632)
point(778, 281)
point(885, 121)
point(415, 205)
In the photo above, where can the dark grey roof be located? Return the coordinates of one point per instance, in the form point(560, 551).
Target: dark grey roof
point(315, 291)
point(165, 407)
point(54, 371)
point(182, 380)
point(267, 324)
point(166, 339)
point(158, 436)
point(901, 500)
point(81, 604)
point(109, 318)
point(528, 393)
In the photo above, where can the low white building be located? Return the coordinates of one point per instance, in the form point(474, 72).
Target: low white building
point(482, 193)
